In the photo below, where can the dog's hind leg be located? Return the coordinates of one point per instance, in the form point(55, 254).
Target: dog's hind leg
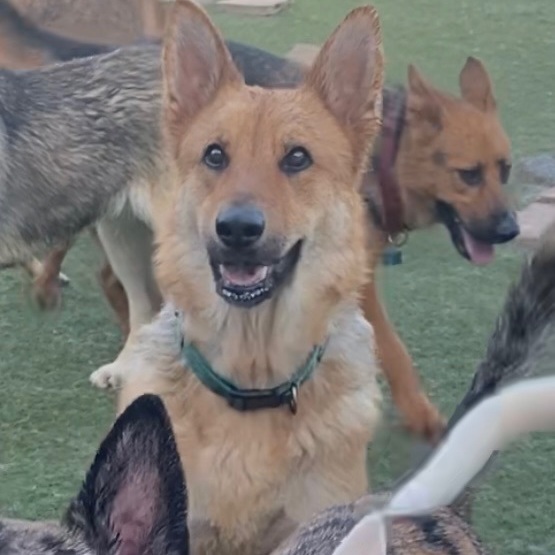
point(418, 413)
point(113, 289)
point(48, 278)
point(128, 245)
point(116, 296)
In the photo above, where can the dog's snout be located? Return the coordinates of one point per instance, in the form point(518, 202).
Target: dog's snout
point(507, 228)
point(240, 225)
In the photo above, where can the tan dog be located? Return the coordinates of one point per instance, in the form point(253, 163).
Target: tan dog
point(440, 159)
point(262, 357)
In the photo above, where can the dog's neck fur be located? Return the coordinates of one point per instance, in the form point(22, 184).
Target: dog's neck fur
point(262, 346)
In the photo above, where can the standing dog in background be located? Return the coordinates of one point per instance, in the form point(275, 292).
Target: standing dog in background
point(23, 45)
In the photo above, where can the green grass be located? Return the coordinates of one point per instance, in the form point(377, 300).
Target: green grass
point(51, 420)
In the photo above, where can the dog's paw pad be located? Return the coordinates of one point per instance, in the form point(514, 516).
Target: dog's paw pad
point(107, 377)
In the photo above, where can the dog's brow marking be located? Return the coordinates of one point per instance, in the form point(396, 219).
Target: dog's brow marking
point(439, 158)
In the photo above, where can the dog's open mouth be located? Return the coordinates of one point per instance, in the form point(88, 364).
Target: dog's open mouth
point(474, 250)
point(246, 282)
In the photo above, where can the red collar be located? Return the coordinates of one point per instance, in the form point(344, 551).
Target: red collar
point(391, 213)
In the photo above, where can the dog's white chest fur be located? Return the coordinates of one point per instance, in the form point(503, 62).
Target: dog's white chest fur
point(243, 469)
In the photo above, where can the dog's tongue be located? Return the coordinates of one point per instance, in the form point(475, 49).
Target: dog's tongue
point(479, 253)
point(243, 276)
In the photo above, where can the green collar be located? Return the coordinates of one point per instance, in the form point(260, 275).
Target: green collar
point(250, 399)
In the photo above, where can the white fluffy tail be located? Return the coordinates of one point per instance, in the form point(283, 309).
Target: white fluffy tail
point(525, 407)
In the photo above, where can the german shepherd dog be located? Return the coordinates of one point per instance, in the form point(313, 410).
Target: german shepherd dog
point(261, 253)
point(134, 501)
point(87, 186)
point(23, 45)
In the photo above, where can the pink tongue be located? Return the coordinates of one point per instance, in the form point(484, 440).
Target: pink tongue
point(243, 276)
point(480, 253)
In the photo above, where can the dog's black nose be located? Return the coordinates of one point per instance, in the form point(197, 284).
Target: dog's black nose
point(507, 228)
point(240, 225)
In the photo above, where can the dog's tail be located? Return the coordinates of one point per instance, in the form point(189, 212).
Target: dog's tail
point(524, 331)
point(494, 411)
point(522, 344)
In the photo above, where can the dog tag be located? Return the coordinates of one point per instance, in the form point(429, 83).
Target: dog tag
point(392, 256)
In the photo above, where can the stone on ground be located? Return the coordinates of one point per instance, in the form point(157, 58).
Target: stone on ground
point(538, 169)
point(547, 196)
point(534, 221)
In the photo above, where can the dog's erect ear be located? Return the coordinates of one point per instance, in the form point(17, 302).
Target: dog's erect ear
point(348, 73)
point(422, 102)
point(196, 64)
point(476, 86)
point(133, 500)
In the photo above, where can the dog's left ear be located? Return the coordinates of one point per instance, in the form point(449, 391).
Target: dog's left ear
point(196, 65)
point(348, 75)
point(476, 86)
point(133, 500)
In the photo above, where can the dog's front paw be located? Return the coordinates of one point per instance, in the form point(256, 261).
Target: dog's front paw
point(423, 419)
point(109, 376)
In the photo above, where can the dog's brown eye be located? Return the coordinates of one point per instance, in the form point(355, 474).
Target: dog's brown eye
point(296, 160)
point(504, 171)
point(472, 176)
point(215, 157)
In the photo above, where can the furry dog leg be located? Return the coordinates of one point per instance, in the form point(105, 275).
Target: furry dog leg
point(48, 278)
point(418, 413)
point(127, 243)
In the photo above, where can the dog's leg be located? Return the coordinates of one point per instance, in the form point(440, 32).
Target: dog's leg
point(420, 416)
point(47, 278)
point(113, 289)
point(116, 296)
point(128, 245)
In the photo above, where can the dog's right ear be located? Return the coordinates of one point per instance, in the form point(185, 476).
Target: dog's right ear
point(196, 65)
point(476, 86)
point(348, 75)
point(133, 499)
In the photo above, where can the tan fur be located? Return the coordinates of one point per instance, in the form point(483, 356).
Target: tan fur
point(245, 469)
point(446, 133)
point(109, 21)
